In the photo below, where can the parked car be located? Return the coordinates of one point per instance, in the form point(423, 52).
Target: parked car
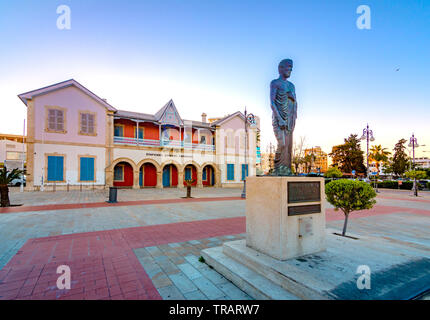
point(17, 182)
point(423, 183)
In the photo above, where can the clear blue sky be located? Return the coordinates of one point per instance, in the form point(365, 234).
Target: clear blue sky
point(218, 56)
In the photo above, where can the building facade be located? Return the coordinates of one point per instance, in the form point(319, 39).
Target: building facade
point(422, 162)
point(318, 160)
point(75, 138)
point(12, 151)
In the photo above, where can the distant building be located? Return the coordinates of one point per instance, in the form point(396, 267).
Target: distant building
point(12, 151)
point(320, 163)
point(422, 162)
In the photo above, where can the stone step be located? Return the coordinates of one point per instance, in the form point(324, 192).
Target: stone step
point(246, 279)
point(285, 275)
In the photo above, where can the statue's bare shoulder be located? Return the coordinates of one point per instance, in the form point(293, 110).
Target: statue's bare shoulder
point(275, 83)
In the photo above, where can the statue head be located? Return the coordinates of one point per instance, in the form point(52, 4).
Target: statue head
point(285, 68)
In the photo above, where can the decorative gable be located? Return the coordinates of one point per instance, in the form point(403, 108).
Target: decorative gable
point(169, 115)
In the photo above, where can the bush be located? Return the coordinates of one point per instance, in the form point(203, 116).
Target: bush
point(406, 185)
point(349, 196)
point(333, 172)
point(428, 185)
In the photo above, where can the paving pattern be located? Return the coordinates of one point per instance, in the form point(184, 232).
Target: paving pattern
point(177, 273)
point(91, 196)
point(149, 249)
point(103, 264)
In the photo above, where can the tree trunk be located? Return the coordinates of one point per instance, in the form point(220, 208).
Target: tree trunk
point(188, 191)
point(4, 191)
point(345, 223)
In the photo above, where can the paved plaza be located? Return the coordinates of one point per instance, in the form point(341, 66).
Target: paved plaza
point(147, 246)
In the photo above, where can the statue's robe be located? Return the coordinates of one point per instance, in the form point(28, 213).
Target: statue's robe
point(283, 98)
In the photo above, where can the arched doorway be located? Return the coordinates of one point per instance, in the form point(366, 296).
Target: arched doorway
point(190, 173)
point(148, 175)
point(170, 176)
point(123, 175)
point(208, 176)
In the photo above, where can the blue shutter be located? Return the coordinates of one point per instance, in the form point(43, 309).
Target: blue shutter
point(52, 168)
point(87, 169)
point(55, 168)
point(60, 164)
point(230, 171)
point(90, 171)
point(204, 174)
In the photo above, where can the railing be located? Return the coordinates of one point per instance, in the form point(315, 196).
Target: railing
point(163, 143)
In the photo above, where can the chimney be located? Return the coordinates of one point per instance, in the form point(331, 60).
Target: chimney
point(204, 115)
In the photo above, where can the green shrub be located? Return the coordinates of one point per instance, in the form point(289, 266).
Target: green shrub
point(428, 185)
point(349, 196)
point(406, 185)
point(333, 172)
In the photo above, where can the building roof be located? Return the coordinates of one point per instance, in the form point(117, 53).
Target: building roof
point(62, 85)
point(168, 114)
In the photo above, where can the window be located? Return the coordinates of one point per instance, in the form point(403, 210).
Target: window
point(244, 171)
point(166, 134)
point(55, 168)
point(141, 133)
point(119, 131)
point(13, 155)
point(188, 173)
point(203, 140)
point(55, 119)
point(87, 123)
point(205, 174)
point(118, 174)
point(230, 171)
point(86, 172)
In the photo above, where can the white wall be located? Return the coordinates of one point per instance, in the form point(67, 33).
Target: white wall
point(71, 162)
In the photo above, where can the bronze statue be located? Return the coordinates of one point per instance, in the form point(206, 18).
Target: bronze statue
point(284, 106)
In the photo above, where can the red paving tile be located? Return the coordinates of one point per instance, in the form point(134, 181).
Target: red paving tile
point(103, 264)
point(69, 206)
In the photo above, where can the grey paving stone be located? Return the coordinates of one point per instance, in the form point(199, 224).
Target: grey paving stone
point(213, 276)
point(174, 245)
point(208, 288)
point(193, 260)
point(194, 242)
point(195, 295)
point(189, 271)
point(233, 292)
point(170, 293)
point(161, 280)
point(184, 284)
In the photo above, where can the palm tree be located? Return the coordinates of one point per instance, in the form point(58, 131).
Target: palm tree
point(6, 177)
point(378, 155)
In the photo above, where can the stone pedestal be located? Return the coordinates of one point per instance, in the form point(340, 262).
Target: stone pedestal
point(285, 216)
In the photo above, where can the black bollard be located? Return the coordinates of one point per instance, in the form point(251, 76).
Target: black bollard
point(113, 193)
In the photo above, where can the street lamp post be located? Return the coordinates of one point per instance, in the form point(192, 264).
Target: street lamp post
point(368, 136)
point(249, 118)
point(414, 144)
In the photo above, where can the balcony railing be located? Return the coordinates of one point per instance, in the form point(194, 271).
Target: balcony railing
point(163, 143)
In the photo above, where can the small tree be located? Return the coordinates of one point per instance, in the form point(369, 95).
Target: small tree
point(416, 175)
point(333, 172)
point(350, 195)
point(189, 183)
point(6, 177)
